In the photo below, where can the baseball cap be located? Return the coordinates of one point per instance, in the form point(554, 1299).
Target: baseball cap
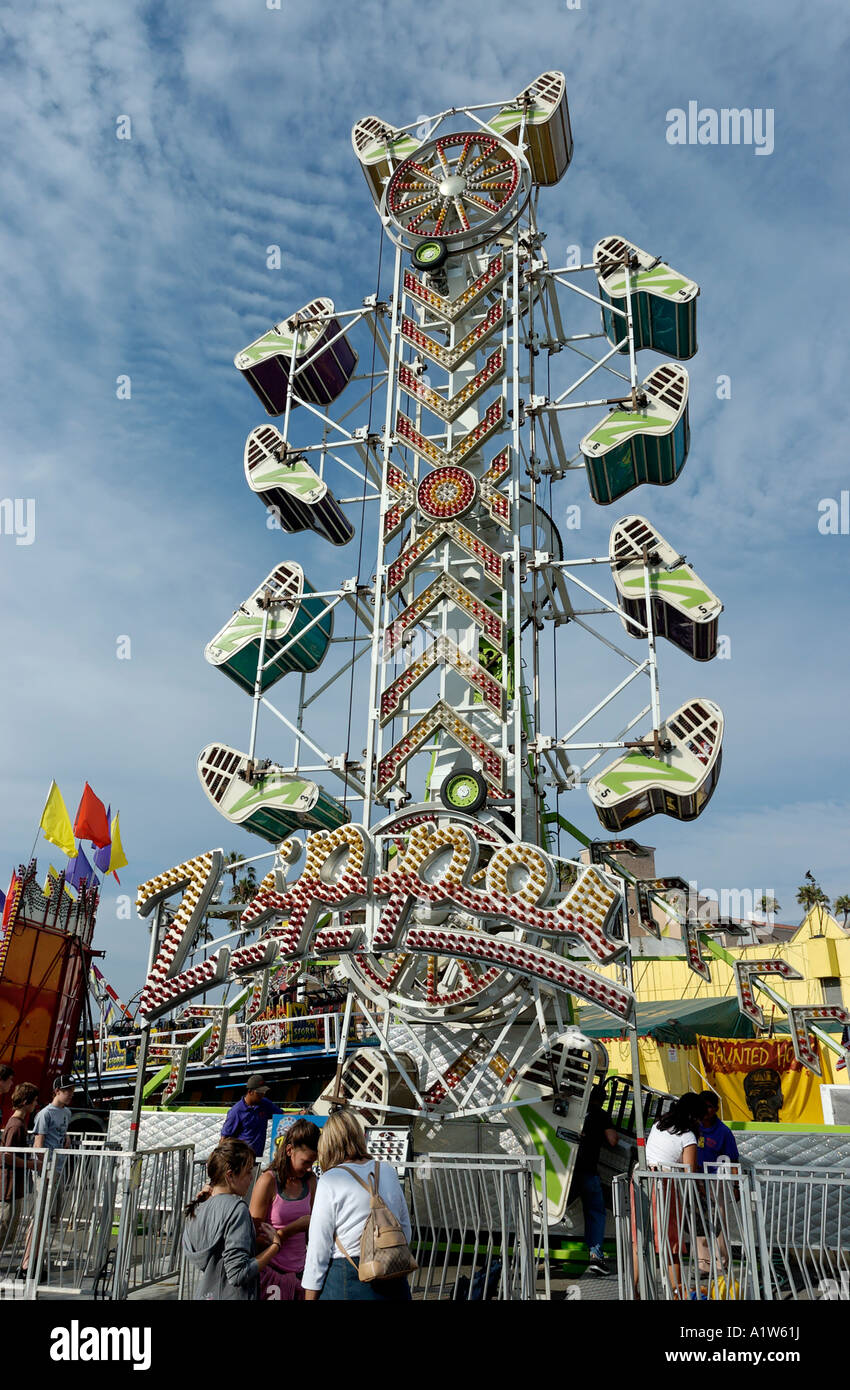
point(256, 1083)
point(64, 1083)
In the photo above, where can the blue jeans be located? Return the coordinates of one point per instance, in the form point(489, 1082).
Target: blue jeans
point(342, 1284)
point(593, 1206)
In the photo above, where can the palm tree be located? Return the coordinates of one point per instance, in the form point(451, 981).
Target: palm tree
point(811, 894)
point(245, 887)
point(768, 905)
point(842, 904)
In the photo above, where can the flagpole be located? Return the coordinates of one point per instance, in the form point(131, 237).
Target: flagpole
point(40, 819)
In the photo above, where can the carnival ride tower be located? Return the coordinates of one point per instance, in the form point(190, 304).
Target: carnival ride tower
point(464, 932)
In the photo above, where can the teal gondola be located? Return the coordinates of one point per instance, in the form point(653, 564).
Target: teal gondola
point(643, 444)
point(272, 803)
point(299, 630)
point(664, 302)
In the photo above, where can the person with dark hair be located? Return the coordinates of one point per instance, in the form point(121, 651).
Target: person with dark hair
point(715, 1139)
point(597, 1131)
point(248, 1119)
point(14, 1166)
point(283, 1196)
point(715, 1145)
point(218, 1238)
point(7, 1079)
point(49, 1132)
point(672, 1144)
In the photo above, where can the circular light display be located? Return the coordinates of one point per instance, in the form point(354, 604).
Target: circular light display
point(462, 189)
point(447, 493)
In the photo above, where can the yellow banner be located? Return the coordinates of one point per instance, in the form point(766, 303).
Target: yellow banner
point(761, 1079)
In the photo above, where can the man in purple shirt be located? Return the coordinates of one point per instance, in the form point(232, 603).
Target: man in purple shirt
point(249, 1118)
point(715, 1139)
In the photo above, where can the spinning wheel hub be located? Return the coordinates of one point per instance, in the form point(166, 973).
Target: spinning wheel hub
point(451, 187)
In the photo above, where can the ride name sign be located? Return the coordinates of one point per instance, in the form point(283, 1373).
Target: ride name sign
point(424, 902)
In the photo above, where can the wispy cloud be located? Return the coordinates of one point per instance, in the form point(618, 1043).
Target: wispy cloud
point(147, 257)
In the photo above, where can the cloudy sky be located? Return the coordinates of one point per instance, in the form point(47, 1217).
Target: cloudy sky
point(147, 258)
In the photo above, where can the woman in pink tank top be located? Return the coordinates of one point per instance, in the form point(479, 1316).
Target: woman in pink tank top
point(283, 1197)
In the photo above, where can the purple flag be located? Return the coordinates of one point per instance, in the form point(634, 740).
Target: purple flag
point(101, 856)
point(79, 869)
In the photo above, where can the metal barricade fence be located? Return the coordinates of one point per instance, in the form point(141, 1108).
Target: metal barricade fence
point(804, 1232)
point(687, 1236)
point(477, 1227)
point(476, 1230)
point(90, 1222)
point(19, 1195)
point(154, 1187)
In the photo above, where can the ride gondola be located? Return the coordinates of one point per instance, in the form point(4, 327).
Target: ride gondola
point(683, 609)
point(265, 800)
point(298, 633)
point(664, 302)
point(642, 442)
point(678, 780)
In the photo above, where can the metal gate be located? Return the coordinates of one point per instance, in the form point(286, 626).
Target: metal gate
point(88, 1222)
point(768, 1233)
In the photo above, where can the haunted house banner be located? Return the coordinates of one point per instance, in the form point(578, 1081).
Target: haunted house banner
point(760, 1079)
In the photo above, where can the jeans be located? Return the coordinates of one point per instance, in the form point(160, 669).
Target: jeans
point(342, 1284)
point(593, 1206)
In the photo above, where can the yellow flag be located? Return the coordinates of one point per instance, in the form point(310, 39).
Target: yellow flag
point(51, 881)
point(117, 858)
point(56, 823)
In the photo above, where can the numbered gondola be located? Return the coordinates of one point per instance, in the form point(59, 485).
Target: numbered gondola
point(298, 631)
point(664, 302)
point(292, 490)
point(676, 781)
point(271, 803)
point(642, 443)
point(684, 610)
point(309, 350)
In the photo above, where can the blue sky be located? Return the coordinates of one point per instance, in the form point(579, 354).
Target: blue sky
point(147, 257)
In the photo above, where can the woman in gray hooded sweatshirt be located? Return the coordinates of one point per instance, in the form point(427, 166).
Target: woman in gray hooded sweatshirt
point(218, 1238)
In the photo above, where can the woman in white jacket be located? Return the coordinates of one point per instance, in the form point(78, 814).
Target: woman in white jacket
point(339, 1214)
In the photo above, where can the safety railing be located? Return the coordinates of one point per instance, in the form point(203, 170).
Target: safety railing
point(477, 1229)
point(687, 1236)
point(759, 1233)
point(153, 1190)
point(90, 1222)
point(804, 1232)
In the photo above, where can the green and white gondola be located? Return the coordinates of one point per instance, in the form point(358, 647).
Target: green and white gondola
point(664, 302)
point(274, 804)
point(321, 369)
point(549, 1120)
point(548, 135)
point(380, 148)
point(297, 637)
point(644, 445)
point(287, 485)
point(683, 609)
point(678, 783)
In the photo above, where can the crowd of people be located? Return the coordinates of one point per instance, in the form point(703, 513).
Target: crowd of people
point(245, 1251)
point(689, 1136)
point(259, 1248)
